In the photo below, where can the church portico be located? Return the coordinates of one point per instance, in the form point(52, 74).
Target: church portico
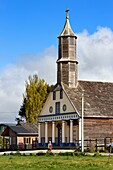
point(59, 132)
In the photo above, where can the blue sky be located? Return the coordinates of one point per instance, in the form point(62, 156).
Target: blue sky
point(28, 44)
point(29, 26)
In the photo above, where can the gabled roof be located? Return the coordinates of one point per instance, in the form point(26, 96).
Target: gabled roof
point(98, 98)
point(19, 129)
point(23, 129)
point(57, 87)
point(31, 127)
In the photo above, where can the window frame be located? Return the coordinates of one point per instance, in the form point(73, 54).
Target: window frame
point(57, 108)
point(54, 95)
point(61, 94)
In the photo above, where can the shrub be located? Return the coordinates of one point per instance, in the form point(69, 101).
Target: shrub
point(66, 154)
point(40, 154)
point(96, 154)
point(79, 153)
point(49, 153)
point(24, 154)
point(12, 153)
point(18, 153)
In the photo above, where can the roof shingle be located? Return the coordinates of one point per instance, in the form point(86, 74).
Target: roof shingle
point(98, 98)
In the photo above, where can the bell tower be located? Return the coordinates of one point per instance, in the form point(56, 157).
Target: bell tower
point(66, 63)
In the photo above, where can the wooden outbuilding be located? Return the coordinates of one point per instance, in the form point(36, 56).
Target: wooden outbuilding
point(23, 136)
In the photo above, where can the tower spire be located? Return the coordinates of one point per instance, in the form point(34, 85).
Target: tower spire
point(67, 31)
point(66, 63)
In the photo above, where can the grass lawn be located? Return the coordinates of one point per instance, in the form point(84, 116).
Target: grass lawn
point(57, 162)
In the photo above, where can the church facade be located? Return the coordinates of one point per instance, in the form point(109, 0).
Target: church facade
point(60, 120)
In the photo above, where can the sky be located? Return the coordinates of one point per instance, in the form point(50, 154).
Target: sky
point(29, 44)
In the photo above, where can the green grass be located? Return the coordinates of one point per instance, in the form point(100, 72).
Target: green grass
point(56, 162)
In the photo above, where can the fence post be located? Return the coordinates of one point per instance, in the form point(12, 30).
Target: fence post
point(104, 144)
point(96, 145)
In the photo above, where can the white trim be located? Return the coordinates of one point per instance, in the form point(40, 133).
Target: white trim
point(39, 132)
point(58, 117)
point(70, 100)
point(45, 103)
point(63, 131)
point(53, 132)
point(99, 117)
point(71, 131)
point(46, 132)
point(80, 136)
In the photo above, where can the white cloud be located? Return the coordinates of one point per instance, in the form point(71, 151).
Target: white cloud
point(12, 80)
point(95, 56)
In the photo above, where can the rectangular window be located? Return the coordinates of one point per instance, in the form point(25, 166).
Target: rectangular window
point(71, 41)
point(54, 95)
point(57, 108)
point(72, 67)
point(24, 140)
point(29, 140)
point(61, 94)
point(65, 40)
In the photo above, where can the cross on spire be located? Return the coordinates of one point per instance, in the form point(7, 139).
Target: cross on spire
point(67, 16)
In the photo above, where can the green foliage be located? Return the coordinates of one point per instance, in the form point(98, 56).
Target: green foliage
point(1, 141)
point(22, 108)
point(96, 154)
point(17, 153)
point(35, 95)
point(66, 154)
point(58, 162)
point(40, 153)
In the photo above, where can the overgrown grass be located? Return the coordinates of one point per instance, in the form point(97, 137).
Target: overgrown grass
point(55, 162)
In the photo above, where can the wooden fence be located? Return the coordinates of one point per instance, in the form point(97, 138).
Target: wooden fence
point(100, 144)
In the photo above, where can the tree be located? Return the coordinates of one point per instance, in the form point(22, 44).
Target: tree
point(34, 98)
point(22, 108)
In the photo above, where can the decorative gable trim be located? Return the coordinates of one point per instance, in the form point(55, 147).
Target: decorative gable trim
point(54, 117)
point(70, 100)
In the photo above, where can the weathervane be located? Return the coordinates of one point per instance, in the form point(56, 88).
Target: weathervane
point(67, 10)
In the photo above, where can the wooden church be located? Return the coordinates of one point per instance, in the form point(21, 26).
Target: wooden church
point(72, 101)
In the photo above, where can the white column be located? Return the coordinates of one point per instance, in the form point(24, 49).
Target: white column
point(10, 141)
point(82, 121)
point(80, 137)
point(39, 132)
point(46, 132)
point(53, 132)
point(71, 131)
point(63, 131)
